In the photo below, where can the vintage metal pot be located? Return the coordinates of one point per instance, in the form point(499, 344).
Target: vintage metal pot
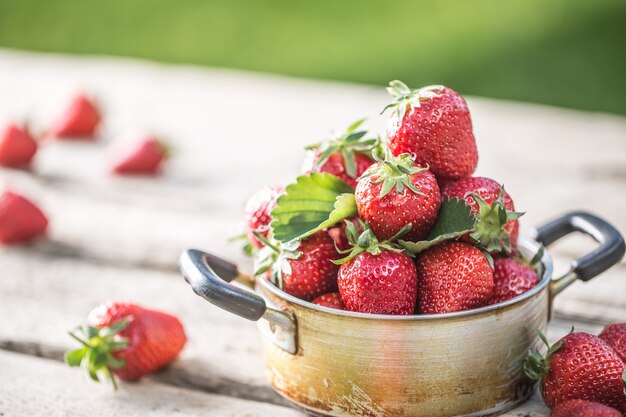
point(338, 363)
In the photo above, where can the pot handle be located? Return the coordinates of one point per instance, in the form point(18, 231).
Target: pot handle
point(608, 253)
point(210, 277)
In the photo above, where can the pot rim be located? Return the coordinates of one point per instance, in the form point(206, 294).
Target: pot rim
point(525, 245)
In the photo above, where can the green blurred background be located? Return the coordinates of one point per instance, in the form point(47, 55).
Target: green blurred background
point(562, 52)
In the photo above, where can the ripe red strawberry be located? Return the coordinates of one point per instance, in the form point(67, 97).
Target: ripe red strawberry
point(512, 277)
point(433, 124)
point(346, 156)
point(377, 277)
point(303, 269)
point(615, 336)
point(394, 193)
point(332, 300)
point(454, 276)
point(145, 158)
point(582, 408)
point(127, 340)
point(489, 217)
point(580, 366)
point(79, 121)
point(338, 233)
point(17, 146)
point(20, 219)
point(257, 213)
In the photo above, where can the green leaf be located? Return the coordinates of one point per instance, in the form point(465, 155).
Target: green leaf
point(74, 357)
point(455, 220)
point(310, 204)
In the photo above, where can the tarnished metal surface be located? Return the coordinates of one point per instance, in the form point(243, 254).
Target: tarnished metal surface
point(449, 365)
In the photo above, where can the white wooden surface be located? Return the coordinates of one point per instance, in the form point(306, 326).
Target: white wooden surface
point(232, 133)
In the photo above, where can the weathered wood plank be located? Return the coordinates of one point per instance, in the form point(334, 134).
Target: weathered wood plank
point(46, 295)
point(62, 392)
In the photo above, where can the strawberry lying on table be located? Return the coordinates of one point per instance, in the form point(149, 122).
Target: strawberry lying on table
point(126, 340)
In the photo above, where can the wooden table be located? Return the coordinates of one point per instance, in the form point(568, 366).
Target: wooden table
point(232, 133)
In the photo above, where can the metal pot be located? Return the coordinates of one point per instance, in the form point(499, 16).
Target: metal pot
point(339, 363)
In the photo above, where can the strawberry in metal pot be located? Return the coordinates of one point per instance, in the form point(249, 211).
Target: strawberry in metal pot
point(433, 125)
point(497, 225)
point(393, 193)
point(377, 277)
point(257, 213)
point(303, 268)
point(454, 276)
point(347, 156)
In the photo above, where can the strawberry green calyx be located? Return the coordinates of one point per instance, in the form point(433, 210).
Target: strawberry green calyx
point(274, 258)
point(489, 230)
point(99, 345)
point(367, 242)
point(393, 172)
point(346, 143)
point(405, 98)
point(535, 365)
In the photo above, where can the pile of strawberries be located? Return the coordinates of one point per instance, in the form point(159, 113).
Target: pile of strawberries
point(390, 244)
point(20, 219)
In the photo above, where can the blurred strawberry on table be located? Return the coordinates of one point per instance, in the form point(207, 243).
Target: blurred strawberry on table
point(17, 146)
point(144, 158)
point(79, 121)
point(20, 219)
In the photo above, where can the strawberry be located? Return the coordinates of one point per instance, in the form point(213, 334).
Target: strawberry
point(454, 276)
point(615, 336)
point(433, 125)
point(17, 146)
point(127, 340)
point(393, 193)
point(492, 204)
point(582, 408)
point(80, 120)
point(20, 219)
point(512, 277)
point(338, 233)
point(346, 156)
point(304, 268)
point(257, 213)
point(580, 366)
point(145, 158)
point(377, 277)
point(331, 300)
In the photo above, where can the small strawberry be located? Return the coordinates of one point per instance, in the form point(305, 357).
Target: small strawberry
point(127, 340)
point(79, 121)
point(346, 156)
point(146, 158)
point(497, 225)
point(258, 211)
point(454, 276)
point(582, 408)
point(304, 269)
point(331, 300)
point(17, 146)
point(393, 193)
point(377, 277)
point(615, 336)
point(580, 366)
point(20, 219)
point(338, 233)
point(433, 125)
point(513, 277)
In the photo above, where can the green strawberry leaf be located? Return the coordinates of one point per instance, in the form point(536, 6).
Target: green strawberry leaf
point(455, 220)
point(310, 204)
